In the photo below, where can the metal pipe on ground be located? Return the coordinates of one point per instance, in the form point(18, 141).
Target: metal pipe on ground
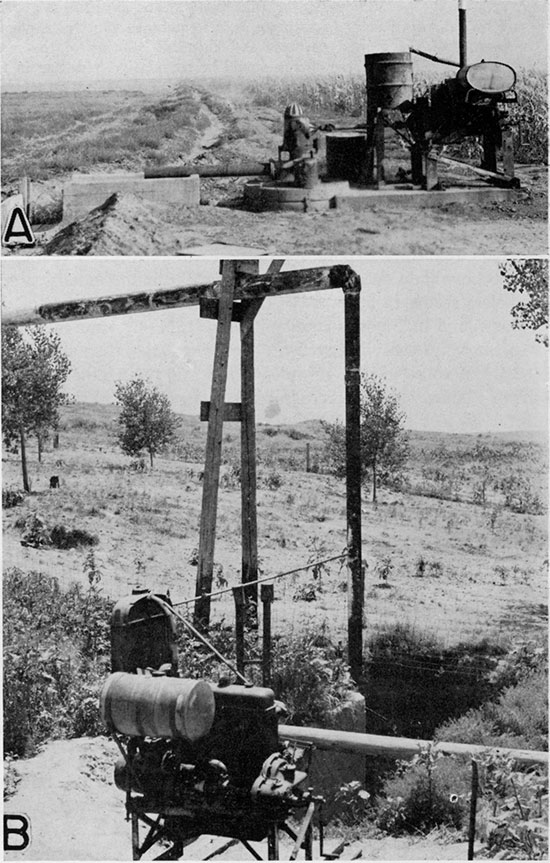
point(396, 747)
point(231, 169)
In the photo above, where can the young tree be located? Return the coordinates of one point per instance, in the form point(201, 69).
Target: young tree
point(146, 421)
point(34, 368)
point(530, 278)
point(384, 443)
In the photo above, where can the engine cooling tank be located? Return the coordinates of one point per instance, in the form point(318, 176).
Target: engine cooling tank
point(389, 80)
point(143, 706)
point(490, 78)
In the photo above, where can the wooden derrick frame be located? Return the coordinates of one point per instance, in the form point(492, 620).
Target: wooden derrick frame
point(238, 297)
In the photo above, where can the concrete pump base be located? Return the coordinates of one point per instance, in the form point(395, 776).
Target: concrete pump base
point(270, 195)
point(87, 191)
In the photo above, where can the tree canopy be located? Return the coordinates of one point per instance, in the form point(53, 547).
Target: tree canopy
point(530, 278)
point(34, 369)
point(384, 444)
point(146, 421)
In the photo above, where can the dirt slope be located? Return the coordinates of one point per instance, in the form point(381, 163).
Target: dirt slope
point(77, 813)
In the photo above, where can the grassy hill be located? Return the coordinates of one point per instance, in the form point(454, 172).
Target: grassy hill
point(456, 548)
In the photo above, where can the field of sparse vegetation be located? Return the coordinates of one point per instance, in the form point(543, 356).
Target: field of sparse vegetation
point(455, 597)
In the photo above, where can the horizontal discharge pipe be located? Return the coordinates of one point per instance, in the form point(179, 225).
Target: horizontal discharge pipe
point(231, 169)
point(396, 747)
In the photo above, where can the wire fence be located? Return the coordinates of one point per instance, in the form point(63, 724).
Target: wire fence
point(283, 606)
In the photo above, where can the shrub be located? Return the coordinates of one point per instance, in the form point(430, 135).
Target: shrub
point(430, 791)
point(513, 812)
point(310, 676)
point(35, 533)
point(273, 480)
point(61, 537)
point(518, 719)
point(12, 497)
point(56, 650)
point(519, 496)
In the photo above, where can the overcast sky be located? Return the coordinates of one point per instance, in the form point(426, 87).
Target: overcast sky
point(438, 330)
point(73, 40)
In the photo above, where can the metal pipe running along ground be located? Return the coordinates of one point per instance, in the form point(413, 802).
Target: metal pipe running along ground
point(398, 747)
point(231, 169)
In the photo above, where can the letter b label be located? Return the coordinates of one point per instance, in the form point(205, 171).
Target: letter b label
point(16, 832)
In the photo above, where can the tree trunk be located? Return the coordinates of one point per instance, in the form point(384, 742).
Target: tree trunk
point(39, 441)
point(374, 481)
point(151, 458)
point(26, 485)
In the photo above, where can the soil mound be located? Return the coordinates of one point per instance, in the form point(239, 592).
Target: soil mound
point(120, 226)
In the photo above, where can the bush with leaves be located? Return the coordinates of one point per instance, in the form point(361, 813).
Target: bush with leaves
point(56, 654)
point(513, 809)
point(310, 676)
point(429, 791)
point(12, 497)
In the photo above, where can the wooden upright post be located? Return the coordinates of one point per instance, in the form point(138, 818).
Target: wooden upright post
point(249, 310)
point(209, 509)
point(249, 526)
point(353, 476)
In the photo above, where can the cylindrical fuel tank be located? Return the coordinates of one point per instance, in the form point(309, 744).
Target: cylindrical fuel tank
point(346, 156)
point(389, 79)
point(144, 706)
point(487, 77)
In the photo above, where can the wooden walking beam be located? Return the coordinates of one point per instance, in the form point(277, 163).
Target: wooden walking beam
point(247, 287)
point(207, 536)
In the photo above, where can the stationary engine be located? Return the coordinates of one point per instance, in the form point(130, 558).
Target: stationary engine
point(204, 758)
point(470, 104)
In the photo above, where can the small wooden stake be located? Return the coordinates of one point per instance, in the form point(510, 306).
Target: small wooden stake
point(473, 809)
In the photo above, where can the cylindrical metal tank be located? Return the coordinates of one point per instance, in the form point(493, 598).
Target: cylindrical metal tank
point(143, 706)
point(389, 80)
point(346, 156)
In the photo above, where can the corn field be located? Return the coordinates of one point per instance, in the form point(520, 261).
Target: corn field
point(345, 95)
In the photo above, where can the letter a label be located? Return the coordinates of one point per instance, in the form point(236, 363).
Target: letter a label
point(18, 230)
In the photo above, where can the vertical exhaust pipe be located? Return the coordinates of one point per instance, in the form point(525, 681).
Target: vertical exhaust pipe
point(462, 33)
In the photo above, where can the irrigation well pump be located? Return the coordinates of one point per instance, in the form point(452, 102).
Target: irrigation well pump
point(320, 166)
point(195, 757)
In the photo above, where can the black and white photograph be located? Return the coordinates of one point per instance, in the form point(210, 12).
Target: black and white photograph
point(305, 127)
point(275, 590)
point(275, 462)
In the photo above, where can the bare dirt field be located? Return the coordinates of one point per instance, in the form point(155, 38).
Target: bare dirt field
point(208, 129)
